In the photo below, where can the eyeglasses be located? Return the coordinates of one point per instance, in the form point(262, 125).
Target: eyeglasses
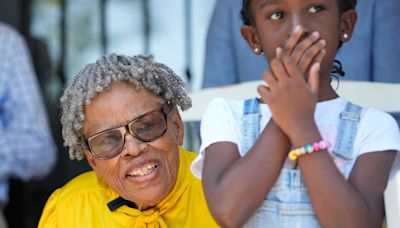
point(146, 128)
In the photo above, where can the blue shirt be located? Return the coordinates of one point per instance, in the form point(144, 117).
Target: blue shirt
point(26, 146)
point(371, 55)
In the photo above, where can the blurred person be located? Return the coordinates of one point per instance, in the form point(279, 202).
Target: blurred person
point(27, 149)
point(228, 59)
point(121, 113)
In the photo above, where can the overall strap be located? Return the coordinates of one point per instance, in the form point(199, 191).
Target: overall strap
point(250, 125)
point(347, 131)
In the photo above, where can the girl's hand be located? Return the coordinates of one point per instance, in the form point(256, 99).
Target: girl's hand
point(293, 85)
point(304, 48)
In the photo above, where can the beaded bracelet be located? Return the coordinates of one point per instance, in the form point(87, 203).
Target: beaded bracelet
point(307, 149)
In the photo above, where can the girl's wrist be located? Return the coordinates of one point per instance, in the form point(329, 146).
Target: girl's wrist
point(305, 134)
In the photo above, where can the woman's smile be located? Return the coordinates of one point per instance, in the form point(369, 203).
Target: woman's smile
point(144, 172)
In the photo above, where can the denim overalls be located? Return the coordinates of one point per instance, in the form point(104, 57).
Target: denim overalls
point(288, 204)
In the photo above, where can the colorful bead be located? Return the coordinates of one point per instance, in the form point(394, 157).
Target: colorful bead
point(309, 148)
point(315, 146)
point(322, 145)
point(298, 152)
point(292, 156)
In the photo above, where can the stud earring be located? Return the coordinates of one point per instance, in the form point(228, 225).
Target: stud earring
point(345, 36)
point(258, 51)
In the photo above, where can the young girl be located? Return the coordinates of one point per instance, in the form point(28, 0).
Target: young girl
point(300, 155)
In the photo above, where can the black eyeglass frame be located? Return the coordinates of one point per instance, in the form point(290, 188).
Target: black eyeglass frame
point(166, 111)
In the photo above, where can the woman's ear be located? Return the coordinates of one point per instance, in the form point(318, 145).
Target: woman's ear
point(348, 23)
point(179, 127)
point(89, 157)
point(250, 35)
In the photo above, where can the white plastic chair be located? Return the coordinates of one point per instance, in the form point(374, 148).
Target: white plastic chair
point(384, 96)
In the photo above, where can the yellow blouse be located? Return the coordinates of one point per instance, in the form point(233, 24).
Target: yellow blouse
point(83, 203)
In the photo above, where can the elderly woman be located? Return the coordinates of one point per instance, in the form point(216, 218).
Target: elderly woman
point(121, 114)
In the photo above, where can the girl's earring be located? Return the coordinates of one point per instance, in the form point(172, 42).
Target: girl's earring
point(345, 36)
point(257, 50)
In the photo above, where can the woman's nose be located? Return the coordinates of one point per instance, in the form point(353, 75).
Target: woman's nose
point(133, 146)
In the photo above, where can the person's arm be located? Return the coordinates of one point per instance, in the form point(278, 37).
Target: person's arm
point(235, 187)
point(337, 202)
point(26, 146)
point(358, 201)
point(354, 203)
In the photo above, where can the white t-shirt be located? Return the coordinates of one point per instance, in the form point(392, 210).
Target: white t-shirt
point(377, 130)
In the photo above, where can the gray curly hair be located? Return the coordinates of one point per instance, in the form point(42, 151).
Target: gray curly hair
point(137, 70)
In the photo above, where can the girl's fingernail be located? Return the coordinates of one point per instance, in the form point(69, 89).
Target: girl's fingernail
point(278, 51)
point(297, 29)
point(315, 34)
point(317, 66)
